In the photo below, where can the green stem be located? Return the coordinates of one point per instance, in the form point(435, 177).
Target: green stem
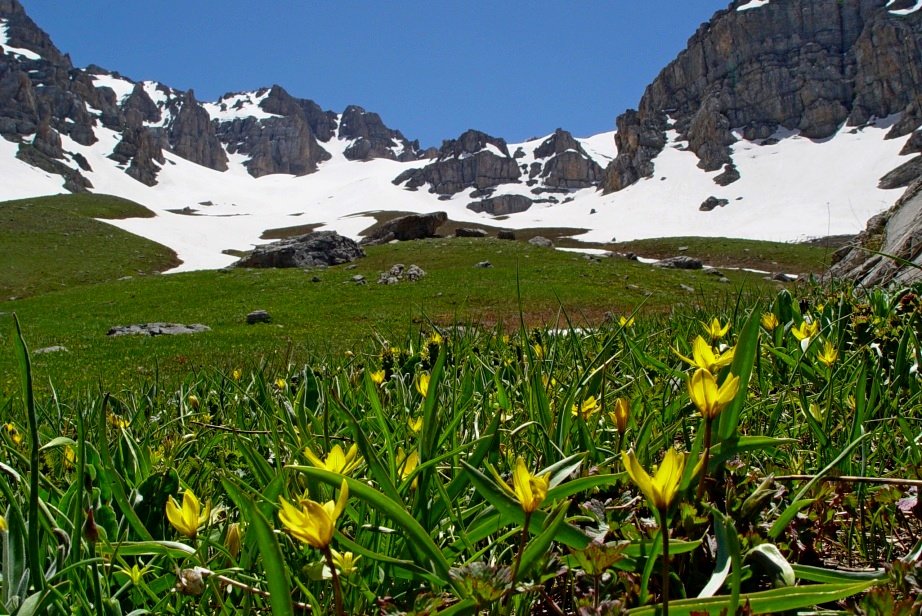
point(522, 542)
point(337, 589)
point(707, 456)
point(664, 531)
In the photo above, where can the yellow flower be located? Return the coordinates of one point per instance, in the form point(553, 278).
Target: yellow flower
point(806, 330)
point(703, 356)
point(190, 517)
point(377, 377)
point(3, 526)
point(715, 330)
point(281, 383)
point(828, 355)
point(660, 489)
point(539, 351)
point(135, 574)
point(422, 384)
point(314, 523)
point(621, 414)
point(769, 321)
point(626, 322)
point(708, 398)
point(435, 338)
point(193, 401)
point(337, 461)
point(14, 433)
point(415, 424)
point(529, 490)
point(117, 421)
point(237, 374)
point(345, 562)
point(586, 409)
point(406, 464)
point(70, 457)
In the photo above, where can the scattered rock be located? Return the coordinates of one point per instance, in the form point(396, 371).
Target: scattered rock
point(399, 273)
point(630, 256)
point(258, 316)
point(782, 277)
point(404, 228)
point(723, 279)
point(730, 174)
point(506, 234)
point(465, 232)
point(680, 262)
point(484, 264)
point(358, 279)
point(711, 202)
point(541, 241)
point(320, 248)
point(157, 329)
point(687, 288)
point(712, 271)
point(50, 349)
point(315, 278)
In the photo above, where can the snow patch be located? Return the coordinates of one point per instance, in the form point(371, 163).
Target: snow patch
point(908, 11)
point(752, 4)
point(5, 47)
point(121, 87)
point(238, 105)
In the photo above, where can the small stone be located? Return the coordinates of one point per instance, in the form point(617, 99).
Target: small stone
point(351, 267)
point(680, 262)
point(723, 279)
point(358, 279)
point(484, 264)
point(541, 241)
point(464, 232)
point(258, 316)
point(712, 271)
point(685, 287)
point(632, 287)
point(51, 349)
point(782, 277)
point(315, 278)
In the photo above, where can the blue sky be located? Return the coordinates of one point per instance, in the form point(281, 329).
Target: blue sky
point(512, 68)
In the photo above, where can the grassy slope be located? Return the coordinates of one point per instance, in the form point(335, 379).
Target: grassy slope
point(335, 314)
point(51, 243)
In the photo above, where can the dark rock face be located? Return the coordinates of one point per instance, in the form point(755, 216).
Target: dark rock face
point(142, 149)
point(729, 175)
point(807, 65)
point(502, 205)
point(372, 138)
point(282, 144)
point(902, 176)
point(568, 165)
point(896, 232)
point(465, 232)
point(473, 160)
point(317, 249)
point(73, 179)
point(193, 137)
point(410, 227)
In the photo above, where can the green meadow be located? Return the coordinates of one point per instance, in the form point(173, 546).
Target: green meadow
point(554, 434)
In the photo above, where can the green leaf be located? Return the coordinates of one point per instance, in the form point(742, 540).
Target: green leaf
point(273, 561)
point(173, 549)
point(763, 602)
point(769, 557)
point(395, 511)
point(582, 484)
point(539, 545)
point(511, 512)
point(831, 576)
point(747, 347)
point(60, 441)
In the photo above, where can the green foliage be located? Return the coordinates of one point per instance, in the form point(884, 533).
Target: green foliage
point(53, 243)
point(806, 504)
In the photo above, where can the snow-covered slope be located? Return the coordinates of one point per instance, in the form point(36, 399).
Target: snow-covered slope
point(790, 189)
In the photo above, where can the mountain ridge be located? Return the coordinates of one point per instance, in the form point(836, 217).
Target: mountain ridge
point(264, 159)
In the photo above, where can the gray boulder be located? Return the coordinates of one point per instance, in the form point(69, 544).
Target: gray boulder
point(404, 228)
point(541, 241)
point(317, 249)
point(711, 202)
point(157, 329)
point(680, 262)
point(502, 205)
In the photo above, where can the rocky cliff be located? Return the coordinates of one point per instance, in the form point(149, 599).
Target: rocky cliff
point(802, 65)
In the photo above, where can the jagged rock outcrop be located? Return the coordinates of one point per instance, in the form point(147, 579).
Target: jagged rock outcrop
point(192, 135)
point(372, 139)
point(567, 163)
point(473, 160)
point(283, 143)
point(806, 65)
point(896, 232)
point(140, 150)
point(502, 205)
point(409, 227)
point(317, 249)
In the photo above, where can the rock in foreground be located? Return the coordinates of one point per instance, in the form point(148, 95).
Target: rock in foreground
point(317, 249)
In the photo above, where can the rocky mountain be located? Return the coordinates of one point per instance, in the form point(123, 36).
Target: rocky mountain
point(764, 65)
point(778, 111)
